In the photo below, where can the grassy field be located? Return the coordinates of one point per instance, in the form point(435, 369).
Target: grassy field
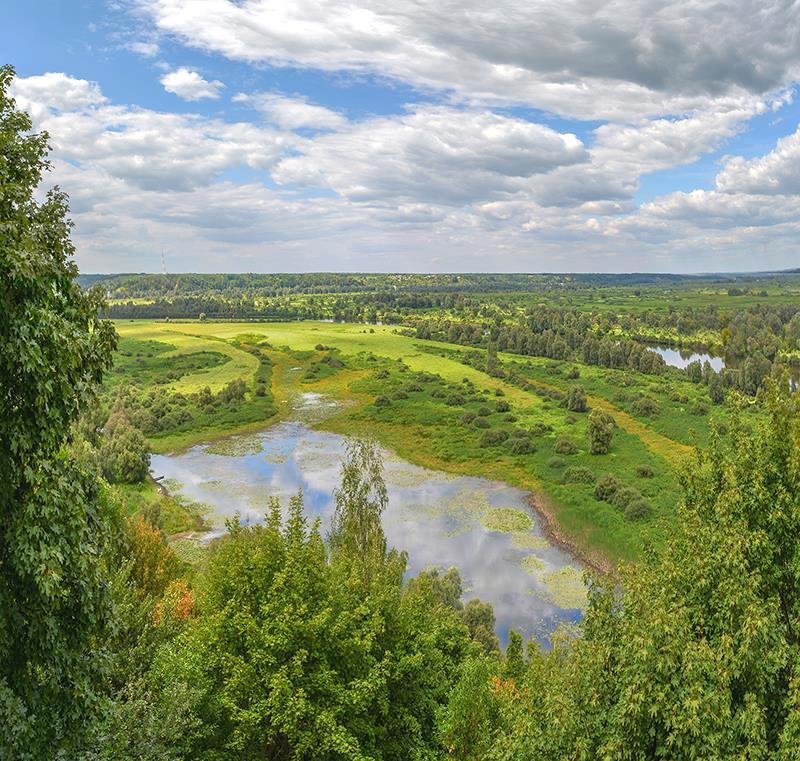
point(421, 425)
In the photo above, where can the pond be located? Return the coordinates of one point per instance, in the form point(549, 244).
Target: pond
point(682, 357)
point(482, 527)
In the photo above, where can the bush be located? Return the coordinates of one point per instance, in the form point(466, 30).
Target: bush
point(499, 392)
point(493, 437)
point(502, 406)
point(606, 488)
point(455, 400)
point(481, 422)
point(382, 373)
point(541, 429)
point(638, 510)
point(413, 387)
point(624, 495)
point(574, 373)
point(645, 406)
point(520, 446)
point(234, 391)
point(397, 395)
point(699, 408)
point(382, 401)
point(644, 471)
point(565, 446)
point(576, 399)
point(557, 463)
point(467, 418)
point(577, 474)
point(484, 411)
point(570, 420)
point(600, 432)
point(510, 418)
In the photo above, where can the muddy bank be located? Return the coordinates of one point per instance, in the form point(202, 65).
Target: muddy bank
point(554, 534)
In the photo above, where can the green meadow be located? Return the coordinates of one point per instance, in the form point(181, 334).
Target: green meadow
point(432, 422)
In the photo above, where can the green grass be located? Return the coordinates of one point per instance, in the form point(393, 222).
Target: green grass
point(428, 430)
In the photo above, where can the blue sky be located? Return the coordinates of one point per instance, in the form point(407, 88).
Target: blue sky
point(265, 136)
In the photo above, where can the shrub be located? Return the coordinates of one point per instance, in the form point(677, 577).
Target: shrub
point(510, 418)
point(502, 406)
point(499, 392)
point(600, 432)
point(455, 400)
point(481, 422)
point(413, 387)
point(520, 446)
point(576, 399)
point(484, 411)
point(540, 429)
point(493, 437)
point(638, 510)
point(556, 463)
point(467, 418)
point(234, 391)
point(606, 488)
point(565, 446)
point(624, 495)
point(322, 347)
point(570, 420)
point(382, 401)
point(644, 471)
point(699, 408)
point(577, 474)
point(382, 373)
point(574, 373)
point(646, 406)
point(399, 395)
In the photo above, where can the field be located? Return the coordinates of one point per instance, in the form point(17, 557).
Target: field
point(426, 422)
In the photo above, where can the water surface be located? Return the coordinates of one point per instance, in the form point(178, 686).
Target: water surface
point(681, 358)
point(437, 518)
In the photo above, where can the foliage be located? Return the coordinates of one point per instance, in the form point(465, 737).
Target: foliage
point(695, 655)
point(54, 518)
point(600, 432)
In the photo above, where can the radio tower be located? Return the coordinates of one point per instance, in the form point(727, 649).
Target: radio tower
point(163, 262)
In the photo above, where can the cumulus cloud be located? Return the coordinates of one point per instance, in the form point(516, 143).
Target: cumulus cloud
point(292, 112)
point(776, 173)
point(432, 155)
point(611, 60)
point(150, 149)
point(55, 91)
point(189, 85)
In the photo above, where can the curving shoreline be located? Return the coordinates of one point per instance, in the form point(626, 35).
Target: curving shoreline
point(554, 534)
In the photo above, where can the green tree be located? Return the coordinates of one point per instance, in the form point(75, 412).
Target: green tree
point(53, 518)
point(600, 431)
point(356, 529)
point(576, 399)
point(124, 455)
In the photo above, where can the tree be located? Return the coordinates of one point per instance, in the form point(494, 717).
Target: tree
point(576, 399)
point(600, 431)
point(54, 520)
point(356, 530)
point(124, 455)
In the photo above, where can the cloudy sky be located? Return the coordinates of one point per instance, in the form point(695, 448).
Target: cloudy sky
point(399, 135)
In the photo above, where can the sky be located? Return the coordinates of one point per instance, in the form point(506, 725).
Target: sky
point(407, 136)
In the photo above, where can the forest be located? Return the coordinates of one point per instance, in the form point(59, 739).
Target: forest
point(282, 516)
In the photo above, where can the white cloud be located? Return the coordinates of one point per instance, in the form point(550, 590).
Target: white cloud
point(144, 48)
point(57, 91)
point(189, 85)
point(435, 155)
point(613, 60)
point(776, 173)
point(292, 112)
point(148, 149)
